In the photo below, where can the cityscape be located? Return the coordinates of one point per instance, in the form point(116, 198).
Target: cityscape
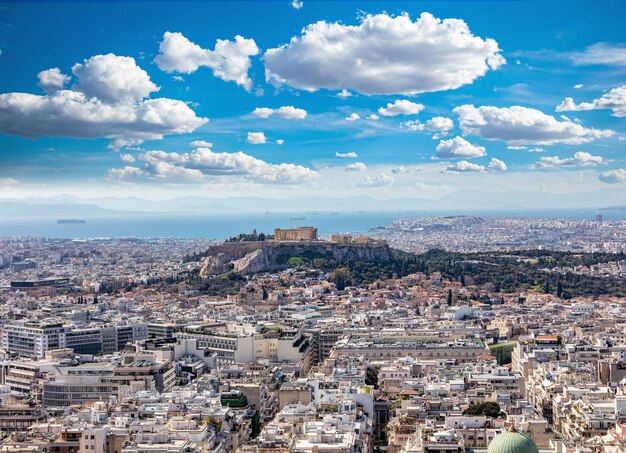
point(294, 226)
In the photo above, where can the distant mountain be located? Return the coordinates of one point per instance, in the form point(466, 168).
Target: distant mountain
point(479, 201)
point(613, 208)
point(52, 210)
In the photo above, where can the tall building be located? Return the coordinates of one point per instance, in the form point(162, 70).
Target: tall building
point(32, 338)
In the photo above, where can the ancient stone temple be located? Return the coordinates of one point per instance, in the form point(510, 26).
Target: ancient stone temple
point(296, 234)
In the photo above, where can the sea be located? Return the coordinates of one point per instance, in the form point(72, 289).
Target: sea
point(215, 226)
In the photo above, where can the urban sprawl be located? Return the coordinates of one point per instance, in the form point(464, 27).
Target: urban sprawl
point(122, 346)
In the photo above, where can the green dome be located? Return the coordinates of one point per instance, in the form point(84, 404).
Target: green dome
point(512, 442)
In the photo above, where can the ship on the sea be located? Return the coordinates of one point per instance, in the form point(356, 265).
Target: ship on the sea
point(70, 221)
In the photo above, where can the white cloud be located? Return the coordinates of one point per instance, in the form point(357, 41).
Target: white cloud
point(496, 165)
point(379, 180)
point(580, 159)
point(201, 144)
point(287, 111)
point(458, 147)
point(383, 55)
point(520, 126)
point(615, 100)
point(600, 54)
point(401, 170)
point(423, 186)
point(108, 101)
point(439, 124)
point(372, 117)
point(263, 112)
point(353, 117)
point(536, 150)
point(52, 80)
point(69, 113)
point(350, 155)
point(124, 142)
point(203, 164)
point(7, 182)
point(617, 176)
point(295, 4)
point(401, 107)
point(127, 158)
point(256, 138)
point(113, 79)
point(280, 141)
point(230, 60)
point(344, 94)
point(178, 78)
point(578, 86)
point(464, 167)
point(357, 166)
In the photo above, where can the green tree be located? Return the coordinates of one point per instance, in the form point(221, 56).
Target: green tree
point(341, 277)
point(371, 376)
point(488, 408)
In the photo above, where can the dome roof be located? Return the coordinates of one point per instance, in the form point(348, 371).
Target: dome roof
point(512, 442)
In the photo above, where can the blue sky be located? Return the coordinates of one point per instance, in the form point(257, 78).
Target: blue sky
point(133, 110)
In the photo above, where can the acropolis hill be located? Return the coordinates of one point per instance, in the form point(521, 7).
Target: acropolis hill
point(249, 257)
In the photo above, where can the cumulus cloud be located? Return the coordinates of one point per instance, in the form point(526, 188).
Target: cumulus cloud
point(401, 107)
point(614, 100)
point(379, 180)
point(580, 159)
point(295, 4)
point(280, 141)
point(230, 60)
point(496, 165)
point(113, 79)
point(350, 155)
point(127, 158)
point(69, 113)
point(600, 54)
point(357, 166)
point(202, 164)
point(201, 144)
point(439, 125)
point(458, 147)
point(108, 101)
point(287, 111)
point(72, 114)
point(617, 176)
point(256, 138)
point(52, 80)
point(519, 126)
point(464, 166)
point(372, 117)
point(344, 94)
point(353, 117)
point(383, 55)
point(578, 86)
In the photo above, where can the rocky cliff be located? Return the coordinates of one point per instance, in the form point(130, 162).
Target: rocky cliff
point(253, 257)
